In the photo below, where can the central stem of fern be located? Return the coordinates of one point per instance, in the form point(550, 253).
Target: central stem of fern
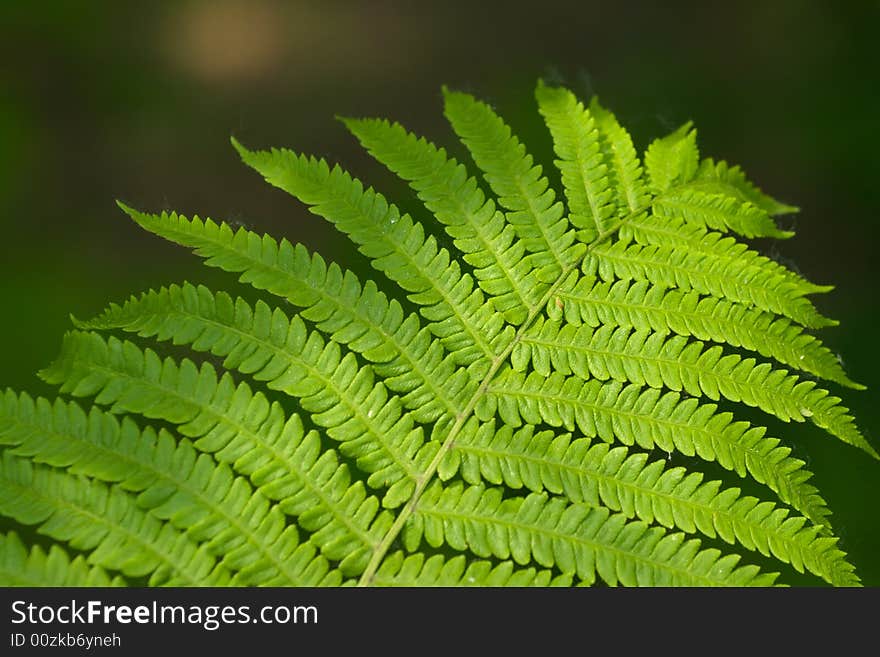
point(428, 475)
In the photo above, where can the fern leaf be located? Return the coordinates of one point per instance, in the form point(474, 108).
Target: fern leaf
point(533, 211)
point(571, 537)
point(678, 267)
point(649, 418)
point(584, 174)
point(669, 231)
point(239, 427)
point(91, 516)
point(672, 160)
point(267, 345)
point(477, 228)
point(417, 570)
point(599, 475)
point(642, 357)
point(623, 162)
point(719, 177)
point(189, 314)
point(396, 245)
point(358, 315)
point(173, 482)
point(718, 212)
point(38, 568)
point(642, 306)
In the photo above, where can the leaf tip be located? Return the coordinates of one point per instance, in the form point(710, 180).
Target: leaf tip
point(239, 147)
point(127, 209)
point(351, 123)
point(139, 217)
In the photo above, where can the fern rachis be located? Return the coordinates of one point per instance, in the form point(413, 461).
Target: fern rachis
point(504, 432)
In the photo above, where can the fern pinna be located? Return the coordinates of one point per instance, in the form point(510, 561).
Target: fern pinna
point(498, 411)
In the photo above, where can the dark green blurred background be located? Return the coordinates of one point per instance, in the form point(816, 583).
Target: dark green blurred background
point(136, 101)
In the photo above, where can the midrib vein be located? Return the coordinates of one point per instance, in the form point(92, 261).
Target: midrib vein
point(461, 418)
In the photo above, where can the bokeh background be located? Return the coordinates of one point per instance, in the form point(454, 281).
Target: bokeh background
point(137, 100)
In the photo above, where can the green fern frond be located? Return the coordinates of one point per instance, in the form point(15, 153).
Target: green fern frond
point(719, 177)
point(677, 266)
point(355, 314)
point(371, 426)
point(643, 306)
point(571, 537)
point(584, 173)
point(89, 515)
point(396, 245)
point(398, 569)
point(342, 398)
point(238, 426)
point(172, 480)
point(729, 254)
point(20, 567)
point(489, 413)
point(650, 418)
point(672, 160)
point(717, 212)
point(623, 162)
point(477, 228)
point(652, 359)
point(533, 211)
point(599, 475)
